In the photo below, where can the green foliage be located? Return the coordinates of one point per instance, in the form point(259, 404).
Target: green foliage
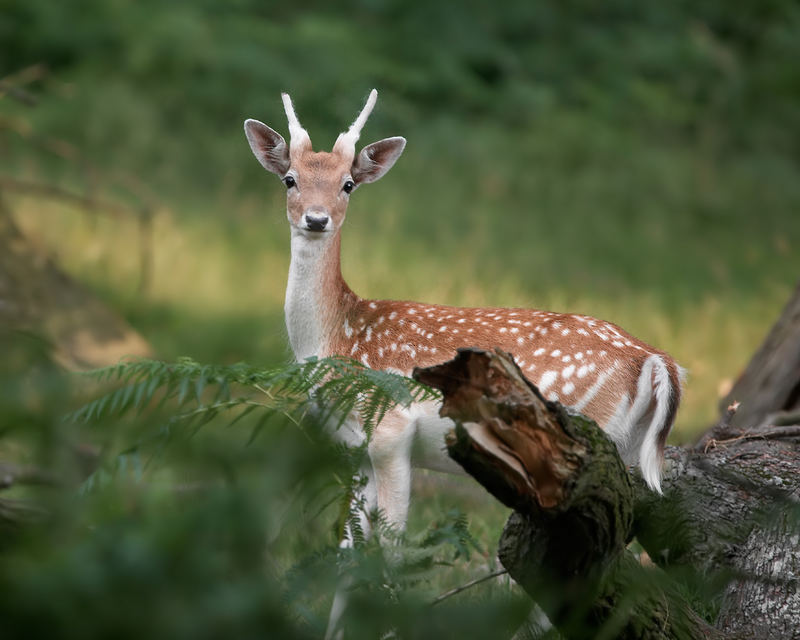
point(212, 532)
point(337, 386)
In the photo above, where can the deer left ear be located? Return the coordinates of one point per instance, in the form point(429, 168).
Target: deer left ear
point(376, 159)
point(268, 146)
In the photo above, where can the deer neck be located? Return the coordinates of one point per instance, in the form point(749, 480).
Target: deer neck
point(317, 297)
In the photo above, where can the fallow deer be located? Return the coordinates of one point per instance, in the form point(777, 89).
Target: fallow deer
point(629, 388)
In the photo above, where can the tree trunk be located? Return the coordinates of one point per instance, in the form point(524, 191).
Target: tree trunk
point(770, 384)
point(728, 520)
point(36, 297)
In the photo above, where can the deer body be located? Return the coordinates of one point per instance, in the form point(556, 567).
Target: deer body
point(629, 388)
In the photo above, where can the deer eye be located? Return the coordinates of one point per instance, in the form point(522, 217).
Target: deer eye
point(289, 182)
point(348, 186)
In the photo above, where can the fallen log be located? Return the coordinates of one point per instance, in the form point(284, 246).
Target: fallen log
point(729, 517)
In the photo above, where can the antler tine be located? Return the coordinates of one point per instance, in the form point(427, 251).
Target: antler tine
point(299, 138)
point(346, 142)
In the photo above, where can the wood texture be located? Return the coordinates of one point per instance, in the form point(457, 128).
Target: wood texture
point(771, 382)
point(566, 541)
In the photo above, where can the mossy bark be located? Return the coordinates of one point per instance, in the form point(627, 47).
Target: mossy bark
point(573, 500)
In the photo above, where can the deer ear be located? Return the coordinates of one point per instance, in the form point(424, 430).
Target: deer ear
point(268, 146)
point(376, 159)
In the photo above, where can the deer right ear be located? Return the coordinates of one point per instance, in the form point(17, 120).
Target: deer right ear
point(268, 146)
point(376, 159)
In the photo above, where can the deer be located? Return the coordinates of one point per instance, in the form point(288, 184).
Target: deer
point(630, 389)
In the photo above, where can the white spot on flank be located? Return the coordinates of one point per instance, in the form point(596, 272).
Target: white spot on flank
point(429, 336)
point(565, 332)
point(380, 320)
point(354, 347)
point(583, 332)
point(470, 330)
point(455, 330)
point(348, 330)
point(556, 325)
point(442, 328)
point(369, 334)
point(579, 355)
point(433, 349)
point(380, 352)
point(553, 397)
point(567, 372)
point(372, 305)
point(412, 311)
point(514, 330)
point(592, 366)
point(592, 392)
point(582, 371)
point(393, 346)
point(520, 340)
point(617, 343)
point(547, 379)
point(461, 321)
point(364, 359)
point(556, 353)
point(503, 329)
point(526, 324)
point(521, 364)
point(392, 315)
point(568, 388)
point(566, 358)
point(538, 352)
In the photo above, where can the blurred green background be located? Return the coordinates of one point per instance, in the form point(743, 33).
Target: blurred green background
point(636, 161)
point(628, 160)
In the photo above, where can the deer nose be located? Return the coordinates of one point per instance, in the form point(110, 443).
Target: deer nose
point(316, 221)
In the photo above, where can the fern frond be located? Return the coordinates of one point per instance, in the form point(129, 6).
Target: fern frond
point(338, 386)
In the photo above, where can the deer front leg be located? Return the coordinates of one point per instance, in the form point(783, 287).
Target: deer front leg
point(363, 503)
point(390, 455)
point(388, 484)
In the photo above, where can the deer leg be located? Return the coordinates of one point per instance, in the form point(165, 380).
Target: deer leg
point(388, 484)
point(363, 503)
point(390, 455)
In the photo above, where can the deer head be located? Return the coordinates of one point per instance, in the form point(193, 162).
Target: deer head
point(319, 184)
